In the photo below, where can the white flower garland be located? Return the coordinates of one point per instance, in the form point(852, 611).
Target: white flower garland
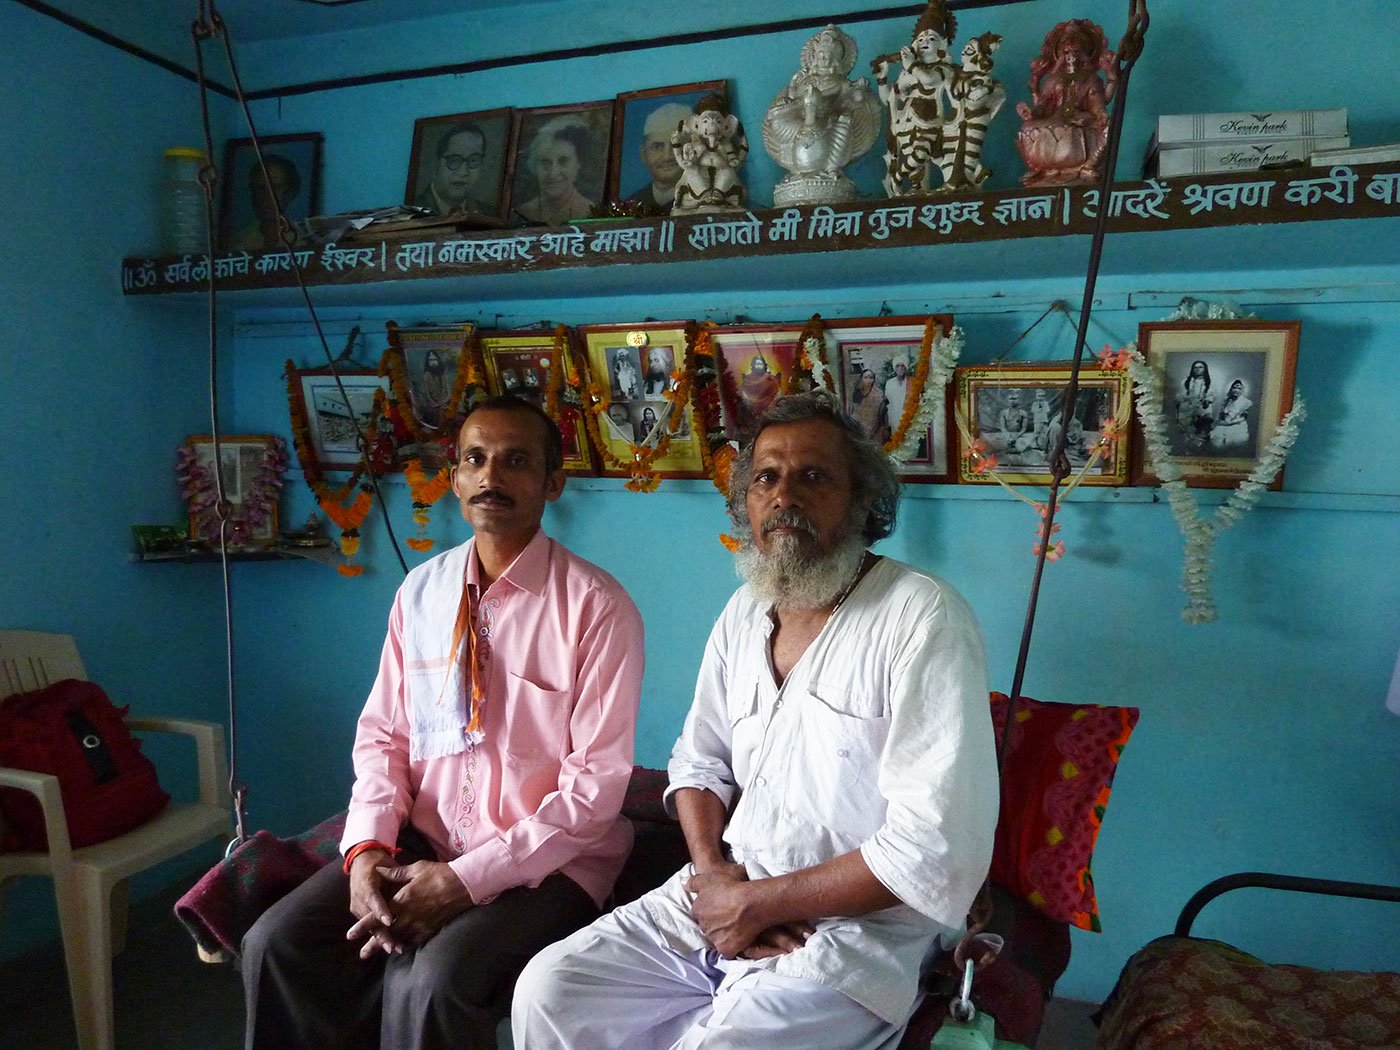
point(1200, 534)
point(943, 357)
point(821, 375)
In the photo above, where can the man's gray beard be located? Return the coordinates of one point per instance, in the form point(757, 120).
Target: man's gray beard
point(787, 577)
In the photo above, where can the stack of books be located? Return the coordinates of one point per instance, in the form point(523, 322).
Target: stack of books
point(1201, 143)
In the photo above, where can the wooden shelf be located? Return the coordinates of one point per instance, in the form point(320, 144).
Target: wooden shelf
point(1166, 207)
point(324, 555)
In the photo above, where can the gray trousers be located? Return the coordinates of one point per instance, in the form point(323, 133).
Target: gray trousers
point(306, 985)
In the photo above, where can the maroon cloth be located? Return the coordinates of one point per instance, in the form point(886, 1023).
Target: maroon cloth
point(1181, 993)
point(220, 908)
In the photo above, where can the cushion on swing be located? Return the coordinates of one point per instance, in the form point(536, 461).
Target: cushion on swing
point(1058, 772)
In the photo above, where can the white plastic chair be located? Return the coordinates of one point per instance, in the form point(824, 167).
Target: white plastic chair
point(90, 883)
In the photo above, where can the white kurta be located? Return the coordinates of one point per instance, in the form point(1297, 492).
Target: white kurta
point(880, 740)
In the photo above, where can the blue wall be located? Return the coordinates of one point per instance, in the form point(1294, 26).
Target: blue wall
point(97, 394)
point(1263, 741)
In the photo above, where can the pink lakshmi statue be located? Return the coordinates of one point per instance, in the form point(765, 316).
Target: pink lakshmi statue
point(1065, 128)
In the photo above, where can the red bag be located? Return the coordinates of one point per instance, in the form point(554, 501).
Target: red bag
point(72, 730)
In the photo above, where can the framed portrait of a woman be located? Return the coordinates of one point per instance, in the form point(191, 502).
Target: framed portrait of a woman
point(1225, 387)
point(559, 168)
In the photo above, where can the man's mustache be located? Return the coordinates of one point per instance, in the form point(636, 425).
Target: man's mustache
point(789, 519)
point(491, 496)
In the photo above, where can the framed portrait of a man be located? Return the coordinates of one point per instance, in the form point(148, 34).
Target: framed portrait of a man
point(1225, 386)
point(251, 473)
point(638, 364)
point(755, 365)
point(644, 171)
point(527, 364)
point(426, 363)
point(873, 361)
point(1016, 411)
point(559, 164)
point(458, 163)
point(249, 200)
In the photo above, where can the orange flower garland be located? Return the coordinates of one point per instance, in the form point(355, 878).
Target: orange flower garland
point(425, 491)
point(348, 505)
point(645, 477)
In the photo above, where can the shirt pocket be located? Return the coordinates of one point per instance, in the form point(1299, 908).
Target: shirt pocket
point(843, 735)
point(745, 727)
point(534, 723)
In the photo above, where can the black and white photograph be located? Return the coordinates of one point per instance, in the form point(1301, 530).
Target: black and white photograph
point(458, 163)
point(559, 168)
point(1017, 412)
point(1224, 386)
point(624, 373)
point(332, 425)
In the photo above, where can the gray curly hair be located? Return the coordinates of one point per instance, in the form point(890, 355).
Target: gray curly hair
point(875, 484)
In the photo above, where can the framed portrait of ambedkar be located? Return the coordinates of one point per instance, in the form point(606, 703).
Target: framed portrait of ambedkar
point(458, 163)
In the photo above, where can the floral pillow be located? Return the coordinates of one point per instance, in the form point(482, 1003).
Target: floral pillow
point(1057, 772)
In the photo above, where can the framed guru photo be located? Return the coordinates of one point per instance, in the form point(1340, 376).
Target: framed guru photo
point(248, 201)
point(644, 171)
point(1015, 410)
point(525, 363)
point(1225, 386)
point(633, 365)
point(559, 165)
point(755, 364)
point(458, 163)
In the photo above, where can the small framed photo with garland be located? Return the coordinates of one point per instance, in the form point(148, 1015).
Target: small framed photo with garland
point(535, 364)
point(875, 363)
point(430, 368)
point(756, 363)
point(332, 419)
point(252, 466)
point(1222, 389)
point(1011, 416)
point(639, 398)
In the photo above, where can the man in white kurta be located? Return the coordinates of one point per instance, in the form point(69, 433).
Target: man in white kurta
point(840, 740)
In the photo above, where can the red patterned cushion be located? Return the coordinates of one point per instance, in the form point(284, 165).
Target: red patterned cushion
point(1058, 769)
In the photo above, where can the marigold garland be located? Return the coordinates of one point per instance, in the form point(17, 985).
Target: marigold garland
point(347, 505)
point(425, 491)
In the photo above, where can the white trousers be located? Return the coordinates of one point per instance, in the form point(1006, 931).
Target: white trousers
point(617, 984)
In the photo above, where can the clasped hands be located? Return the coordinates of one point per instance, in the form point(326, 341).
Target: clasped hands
point(722, 903)
point(425, 896)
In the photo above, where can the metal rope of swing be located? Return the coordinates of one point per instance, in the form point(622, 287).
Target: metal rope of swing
point(1129, 49)
point(208, 24)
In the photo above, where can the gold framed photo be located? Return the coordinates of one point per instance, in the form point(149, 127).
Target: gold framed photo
point(534, 365)
point(634, 367)
point(251, 466)
point(1016, 413)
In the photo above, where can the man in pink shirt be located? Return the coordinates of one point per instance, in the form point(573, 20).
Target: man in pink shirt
point(491, 761)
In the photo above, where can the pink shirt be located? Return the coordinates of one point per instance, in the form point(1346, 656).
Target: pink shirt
point(563, 677)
